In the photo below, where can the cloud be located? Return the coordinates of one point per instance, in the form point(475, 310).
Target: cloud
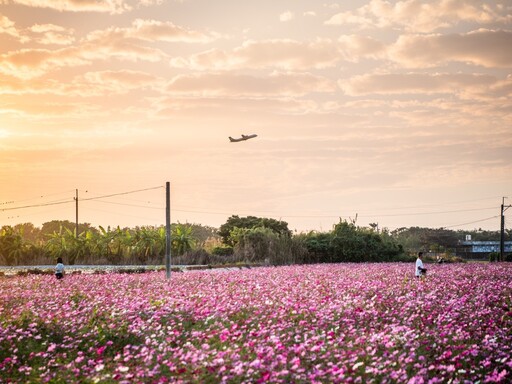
point(28, 63)
point(125, 78)
point(124, 44)
point(414, 83)
point(106, 6)
point(421, 15)
point(210, 109)
point(102, 83)
point(277, 53)
point(482, 47)
point(225, 84)
point(51, 34)
point(153, 30)
point(286, 16)
point(7, 26)
point(355, 47)
point(39, 33)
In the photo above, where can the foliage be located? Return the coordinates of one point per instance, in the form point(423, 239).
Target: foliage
point(355, 244)
point(265, 245)
point(12, 245)
point(182, 239)
point(349, 243)
point(53, 226)
point(147, 243)
point(68, 245)
point(263, 240)
point(440, 240)
point(251, 222)
point(223, 251)
point(318, 245)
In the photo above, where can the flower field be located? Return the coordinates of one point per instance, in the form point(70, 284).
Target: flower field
point(358, 323)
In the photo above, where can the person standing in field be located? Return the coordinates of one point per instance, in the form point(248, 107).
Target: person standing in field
point(59, 269)
point(420, 270)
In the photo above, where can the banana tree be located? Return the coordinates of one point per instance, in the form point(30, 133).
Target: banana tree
point(182, 240)
point(12, 246)
point(144, 242)
point(110, 244)
point(66, 244)
point(57, 244)
point(79, 246)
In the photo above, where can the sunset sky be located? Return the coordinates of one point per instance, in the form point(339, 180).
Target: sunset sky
point(397, 111)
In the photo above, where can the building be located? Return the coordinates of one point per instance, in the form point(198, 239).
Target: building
point(480, 249)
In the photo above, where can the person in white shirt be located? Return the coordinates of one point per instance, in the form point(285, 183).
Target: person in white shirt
point(420, 270)
point(59, 269)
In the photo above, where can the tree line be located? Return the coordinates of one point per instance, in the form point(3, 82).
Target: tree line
point(240, 240)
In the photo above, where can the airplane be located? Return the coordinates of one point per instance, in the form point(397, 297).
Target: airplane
point(243, 138)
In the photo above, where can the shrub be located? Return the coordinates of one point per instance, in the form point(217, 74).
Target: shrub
point(222, 251)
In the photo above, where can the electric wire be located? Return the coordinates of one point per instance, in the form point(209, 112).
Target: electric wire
point(34, 198)
point(120, 193)
point(73, 200)
point(471, 222)
point(37, 205)
point(100, 198)
point(128, 205)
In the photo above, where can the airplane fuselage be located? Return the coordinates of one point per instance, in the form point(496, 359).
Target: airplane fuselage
point(243, 138)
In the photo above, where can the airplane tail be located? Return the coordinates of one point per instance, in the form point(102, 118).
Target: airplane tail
point(231, 139)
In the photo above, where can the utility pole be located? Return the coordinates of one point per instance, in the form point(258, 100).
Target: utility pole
point(502, 232)
point(76, 202)
point(168, 230)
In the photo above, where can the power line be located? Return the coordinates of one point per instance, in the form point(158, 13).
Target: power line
point(121, 193)
point(126, 204)
point(335, 216)
point(471, 222)
point(430, 213)
point(71, 201)
point(38, 205)
point(34, 198)
point(436, 205)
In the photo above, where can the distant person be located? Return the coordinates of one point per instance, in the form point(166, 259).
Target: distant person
point(420, 270)
point(59, 269)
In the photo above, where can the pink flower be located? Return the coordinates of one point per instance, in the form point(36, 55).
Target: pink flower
point(100, 350)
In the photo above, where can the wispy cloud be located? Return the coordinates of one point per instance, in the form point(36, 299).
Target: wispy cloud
point(423, 16)
point(414, 83)
point(284, 54)
point(123, 44)
point(277, 83)
point(483, 47)
point(108, 6)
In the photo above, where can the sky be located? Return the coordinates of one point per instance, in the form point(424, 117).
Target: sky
point(395, 113)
